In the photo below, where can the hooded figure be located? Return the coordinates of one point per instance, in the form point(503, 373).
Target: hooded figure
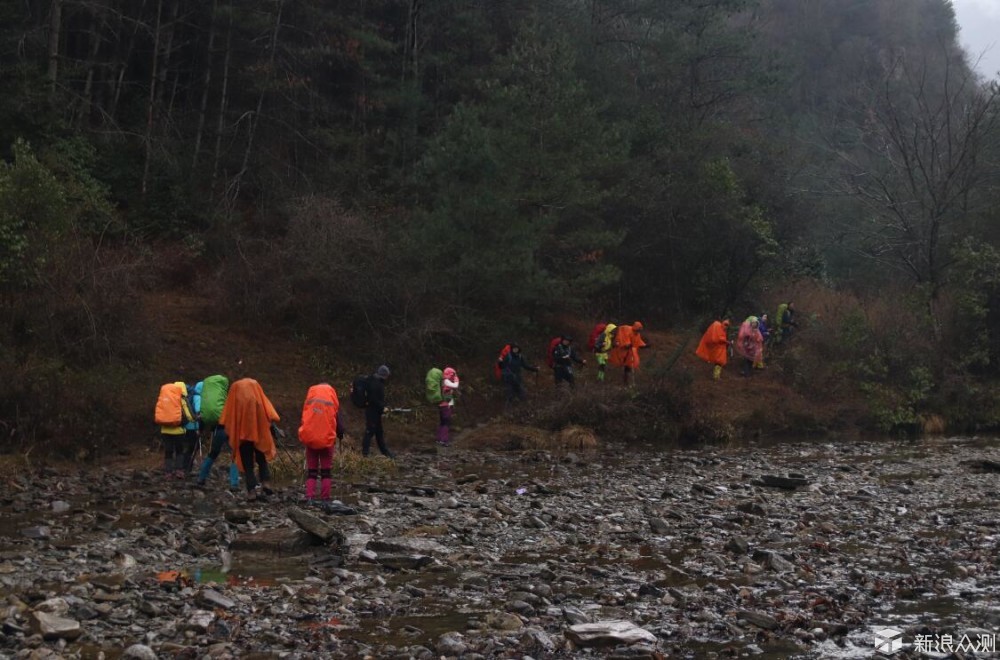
point(248, 417)
point(449, 383)
point(625, 353)
point(713, 347)
point(750, 344)
point(374, 412)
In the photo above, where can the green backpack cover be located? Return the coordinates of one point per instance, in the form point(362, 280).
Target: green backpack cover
point(433, 383)
point(214, 391)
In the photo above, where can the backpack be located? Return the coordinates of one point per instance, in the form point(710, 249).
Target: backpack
point(608, 338)
point(319, 417)
point(549, 360)
point(169, 411)
point(433, 385)
point(598, 330)
point(497, 371)
point(359, 391)
point(214, 390)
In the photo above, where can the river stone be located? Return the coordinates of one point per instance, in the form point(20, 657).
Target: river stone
point(279, 540)
point(608, 633)
point(504, 621)
point(451, 643)
point(139, 652)
point(57, 606)
point(200, 620)
point(536, 637)
point(51, 626)
point(59, 506)
point(758, 619)
point(313, 524)
point(237, 516)
point(408, 546)
point(659, 526)
point(212, 598)
point(38, 532)
point(404, 562)
point(738, 545)
point(787, 483)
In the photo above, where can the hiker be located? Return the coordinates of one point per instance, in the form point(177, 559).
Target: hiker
point(510, 366)
point(213, 400)
point(714, 346)
point(446, 408)
point(320, 430)
point(600, 342)
point(765, 334)
point(785, 322)
point(750, 345)
point(563, 357)
point(192, 429)
point(172, 414)
point(625, 353)
point(374, 411)
point(250, 419)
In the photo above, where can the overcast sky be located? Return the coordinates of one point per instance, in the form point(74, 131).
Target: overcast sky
point(980, 23)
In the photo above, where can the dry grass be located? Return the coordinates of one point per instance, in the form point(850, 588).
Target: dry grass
point(513, 437)
point(13, 465)
point(932, 424)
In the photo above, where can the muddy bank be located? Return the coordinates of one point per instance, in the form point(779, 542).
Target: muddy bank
point(795, 550)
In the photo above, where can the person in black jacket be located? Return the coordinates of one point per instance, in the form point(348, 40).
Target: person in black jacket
point(510, 370)
point(374, 411)
point(563, 357)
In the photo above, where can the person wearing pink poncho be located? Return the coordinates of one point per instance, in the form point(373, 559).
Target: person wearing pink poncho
point(750, 344)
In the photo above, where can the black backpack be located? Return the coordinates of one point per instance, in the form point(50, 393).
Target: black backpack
point(359, 392)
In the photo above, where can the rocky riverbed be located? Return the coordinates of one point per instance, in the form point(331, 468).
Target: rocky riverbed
point(792, 550)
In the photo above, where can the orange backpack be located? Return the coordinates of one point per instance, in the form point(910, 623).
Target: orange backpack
point(169, 410)
point(319, 417)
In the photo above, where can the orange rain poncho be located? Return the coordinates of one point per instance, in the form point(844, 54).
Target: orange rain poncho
point(714, 344)
point(627, 345)
point(247, 417)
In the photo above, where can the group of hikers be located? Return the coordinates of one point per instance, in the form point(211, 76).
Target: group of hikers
point(755, 335)
point(617, 345)
point(238, 414)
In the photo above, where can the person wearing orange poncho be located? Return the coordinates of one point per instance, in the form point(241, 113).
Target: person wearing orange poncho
point(249, 418)
point(625, 353)
point(714, 346)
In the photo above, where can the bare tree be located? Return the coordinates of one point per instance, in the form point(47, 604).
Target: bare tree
point(915, 162)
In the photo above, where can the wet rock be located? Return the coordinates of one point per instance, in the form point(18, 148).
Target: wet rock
point(57, 606)
point(139, 652)
point(608, 633)
point(738, 545)
point(786, 483)
point(753, 508)
point(238, 516)
point(773, 560)
point(406, 545)
point(37, 532)
point(504, 621)
point(279, 541)
point(759, 619)
point(212, 598)
point(368, 556)
point(534, 638)
point(50, 626)
point(200, 621)
point(451, 643)
point(59, 506)
point(659, 526)
point(574, 615)
point(314, 525)
point(467, 479)
point(404, 562)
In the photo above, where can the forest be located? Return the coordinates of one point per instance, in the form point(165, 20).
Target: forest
point(404, 178)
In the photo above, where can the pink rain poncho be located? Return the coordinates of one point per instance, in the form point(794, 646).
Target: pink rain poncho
point(749, 342)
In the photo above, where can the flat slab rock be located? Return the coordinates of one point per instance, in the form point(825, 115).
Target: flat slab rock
point(314, 525)
point(51, 626)
point(408, 546)
point(608, 633)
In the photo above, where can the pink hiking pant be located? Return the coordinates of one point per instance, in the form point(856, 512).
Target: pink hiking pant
point(318, 466)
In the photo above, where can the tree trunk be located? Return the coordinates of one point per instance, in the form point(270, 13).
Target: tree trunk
point(205, 87)
point(152, 100)
point(123, 64)
point(255, 119)
point(55, 30)
point(220, 125)
point(88, 86)
point(164, 68)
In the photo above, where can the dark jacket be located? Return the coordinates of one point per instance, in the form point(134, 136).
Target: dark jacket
point(564, 356)
point(512, 364)
point(376, 395)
